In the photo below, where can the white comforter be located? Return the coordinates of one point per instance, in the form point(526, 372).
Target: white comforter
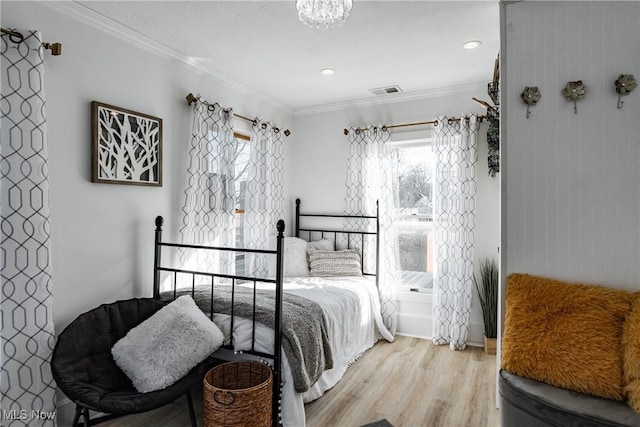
point(352, 309)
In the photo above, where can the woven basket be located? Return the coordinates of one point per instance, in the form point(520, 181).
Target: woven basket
point(237, 394)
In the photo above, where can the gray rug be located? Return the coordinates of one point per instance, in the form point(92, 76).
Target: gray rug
point(380, 423)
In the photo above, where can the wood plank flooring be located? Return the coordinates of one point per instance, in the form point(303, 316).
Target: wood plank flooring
point(411, 383)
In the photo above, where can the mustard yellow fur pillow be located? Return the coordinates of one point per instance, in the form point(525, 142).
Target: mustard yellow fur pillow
point(567, 335)
point(631, 355)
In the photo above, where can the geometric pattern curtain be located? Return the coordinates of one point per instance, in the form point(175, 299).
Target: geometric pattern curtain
point(264, 197)
point(454, 224)
point(208, 211)
point(27, 332)
point(370, 179)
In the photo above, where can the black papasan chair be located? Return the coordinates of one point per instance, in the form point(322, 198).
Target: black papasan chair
point(84, 369)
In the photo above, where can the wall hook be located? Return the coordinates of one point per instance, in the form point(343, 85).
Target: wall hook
point(625, 84)
point(530, 96)
point(573, 91)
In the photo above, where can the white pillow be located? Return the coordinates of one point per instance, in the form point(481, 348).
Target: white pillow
point(295, 260)
point(295, 257)
point(321, 245)
point(166, 346)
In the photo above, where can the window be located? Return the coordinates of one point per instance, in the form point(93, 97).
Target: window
point(241, 166)
point(414, 174)
point(219, 183)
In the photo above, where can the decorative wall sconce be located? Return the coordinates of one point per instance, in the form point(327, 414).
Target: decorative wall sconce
point(624, 86)
point(574, 91)
point(530, 96)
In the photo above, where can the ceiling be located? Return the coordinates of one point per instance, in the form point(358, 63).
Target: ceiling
point(261, 45)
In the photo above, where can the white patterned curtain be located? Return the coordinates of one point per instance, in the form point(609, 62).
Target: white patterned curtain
point(370, 179)
point(27, 334)
point(264, 198)
point(454, 219)
point(208, 212)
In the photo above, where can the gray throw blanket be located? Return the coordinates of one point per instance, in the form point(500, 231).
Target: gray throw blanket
point(304, 329)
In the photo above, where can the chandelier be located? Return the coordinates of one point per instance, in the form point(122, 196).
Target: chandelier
point(323, 13)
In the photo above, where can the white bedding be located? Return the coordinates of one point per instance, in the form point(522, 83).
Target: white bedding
point(352, 309)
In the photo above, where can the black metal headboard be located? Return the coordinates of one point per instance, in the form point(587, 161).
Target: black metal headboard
point(351, 235)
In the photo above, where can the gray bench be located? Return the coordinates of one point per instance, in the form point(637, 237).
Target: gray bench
point(529, 403)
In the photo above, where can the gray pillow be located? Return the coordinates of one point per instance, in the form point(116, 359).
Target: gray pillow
point(166, 346)
point(335, 263)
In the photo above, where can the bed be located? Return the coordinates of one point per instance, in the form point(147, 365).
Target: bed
point(315, 313)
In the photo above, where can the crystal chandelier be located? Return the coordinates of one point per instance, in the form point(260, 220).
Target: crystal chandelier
point(323, 13)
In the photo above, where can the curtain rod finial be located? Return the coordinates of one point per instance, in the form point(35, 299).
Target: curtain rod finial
point(346, 131)
point(287, 132)
point(55, 48)
point(190, 99)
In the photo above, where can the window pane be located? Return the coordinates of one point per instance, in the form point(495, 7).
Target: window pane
point(241, 166)
point(415, 181)
point(414, 216)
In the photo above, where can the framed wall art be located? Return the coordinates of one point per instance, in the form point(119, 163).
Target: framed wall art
point(126, 146)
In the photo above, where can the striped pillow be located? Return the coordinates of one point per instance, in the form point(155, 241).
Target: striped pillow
point(335, 263)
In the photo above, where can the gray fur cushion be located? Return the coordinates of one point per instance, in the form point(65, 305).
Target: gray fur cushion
point(335, 263)
point(166, 346)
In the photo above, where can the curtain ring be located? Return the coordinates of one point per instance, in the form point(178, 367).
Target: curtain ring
point(14, 35)
point(19, 38)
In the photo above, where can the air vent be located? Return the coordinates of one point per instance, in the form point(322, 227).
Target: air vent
point(385, 90)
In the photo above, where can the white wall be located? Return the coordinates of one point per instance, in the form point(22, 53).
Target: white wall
point(570, 183)
point(320, 162)
point(103, 234)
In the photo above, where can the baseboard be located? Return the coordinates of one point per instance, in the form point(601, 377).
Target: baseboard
point(421, 327)
point(469, 343)
point(413, 336)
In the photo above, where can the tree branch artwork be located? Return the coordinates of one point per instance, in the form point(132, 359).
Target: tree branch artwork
point(127, 146)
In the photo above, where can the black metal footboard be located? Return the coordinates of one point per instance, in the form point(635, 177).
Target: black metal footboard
point(232, 281)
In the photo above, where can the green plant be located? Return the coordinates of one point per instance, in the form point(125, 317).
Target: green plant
point(488, 294)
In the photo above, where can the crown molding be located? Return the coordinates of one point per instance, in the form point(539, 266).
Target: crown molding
point(97, 20)
point(391, 98)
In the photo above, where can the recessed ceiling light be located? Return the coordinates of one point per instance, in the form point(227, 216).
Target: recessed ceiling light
point(327, 71)
point(471, 44)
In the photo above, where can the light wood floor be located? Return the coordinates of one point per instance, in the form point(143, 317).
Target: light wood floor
point(411, 383)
